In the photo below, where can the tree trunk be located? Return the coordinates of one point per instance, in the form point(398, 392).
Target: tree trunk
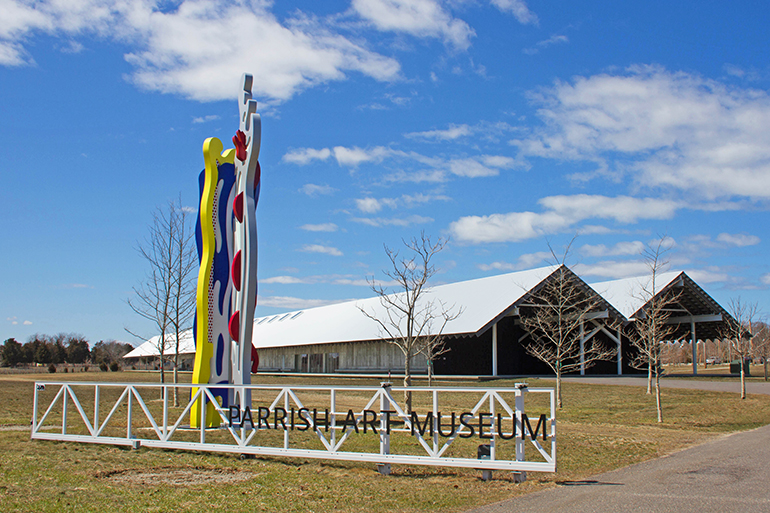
point(176, 378)
point(764, 365)
point(657, 397)
point(407, 384)
point(558, 387)
point(649, 376)
point(162, 375)
point(743, 378)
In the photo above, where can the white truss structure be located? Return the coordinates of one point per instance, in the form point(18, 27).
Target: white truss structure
point(133, 419)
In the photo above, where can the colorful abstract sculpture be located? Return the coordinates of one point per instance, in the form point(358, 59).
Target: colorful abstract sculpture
point(226, 235)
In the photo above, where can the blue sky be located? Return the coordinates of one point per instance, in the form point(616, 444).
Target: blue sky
point(504, 125)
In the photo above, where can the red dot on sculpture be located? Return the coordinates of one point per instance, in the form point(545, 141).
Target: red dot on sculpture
point(239, 140)
point(234, 326)
point(235, 271)
point(238, 207)
point(254, 360)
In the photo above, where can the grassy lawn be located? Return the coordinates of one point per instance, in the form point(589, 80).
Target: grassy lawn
point(717, 372)
point(600, 428)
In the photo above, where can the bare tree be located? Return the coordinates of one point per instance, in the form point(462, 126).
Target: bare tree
point(651, 325)
point(183, 283)
point(164, 297)
point(741, 333)
point(555, 317)
point(433, 347)
point(412, 322)
point(762, 344)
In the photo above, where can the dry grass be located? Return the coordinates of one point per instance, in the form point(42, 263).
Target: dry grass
point(601, 428)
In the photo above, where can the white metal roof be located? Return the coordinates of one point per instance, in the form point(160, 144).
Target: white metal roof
point(628, 295)
point(150, 348)
point(482, 300)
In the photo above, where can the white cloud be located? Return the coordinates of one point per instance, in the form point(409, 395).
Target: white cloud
point(751, 74)
point(498, 266)
point(498, 161)
point(419, 18)
point(511, 227)
point(621, 248)
point(593, 229)
point(623, 209)
point(666, 129)
point(369, 205)
point(554, 39)
point(186, 53)
point(324, 227)
point(373, 205)
point(526, 261)
point(333, 279)
point(562, 212)
point(483, 165)
point(438, 168)
point(21, 19)
point(303, 156)
point(312, 189)
point(27, 323)
point(421, 176)
point(72, 47)
point(708, 276)
point(486, 130)
point(412, 200)
point(205, 119)
point(283, 280)
point(450, 134)
point(360, 282)
point(765, 279)
point(471, 168)
point(403, 222)
point(697, 243)
point(318, 248)
point(738, 239)
point(182, 50)
point(518, 8)
point(613, 269)
point(355, 155)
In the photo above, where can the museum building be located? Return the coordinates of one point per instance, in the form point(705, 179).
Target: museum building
point(489, 337)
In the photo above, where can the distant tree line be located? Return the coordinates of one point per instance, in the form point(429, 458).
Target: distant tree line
point(59, 349)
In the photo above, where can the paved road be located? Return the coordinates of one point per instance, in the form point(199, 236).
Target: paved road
point(729, 474)
point(752, 387)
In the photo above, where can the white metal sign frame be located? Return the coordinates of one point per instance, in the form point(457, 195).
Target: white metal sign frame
point(499, 415)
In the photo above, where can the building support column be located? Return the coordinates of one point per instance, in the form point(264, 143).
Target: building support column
point(494, 349)
point(694, 348)
point(582, 349)
point(620, 353)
